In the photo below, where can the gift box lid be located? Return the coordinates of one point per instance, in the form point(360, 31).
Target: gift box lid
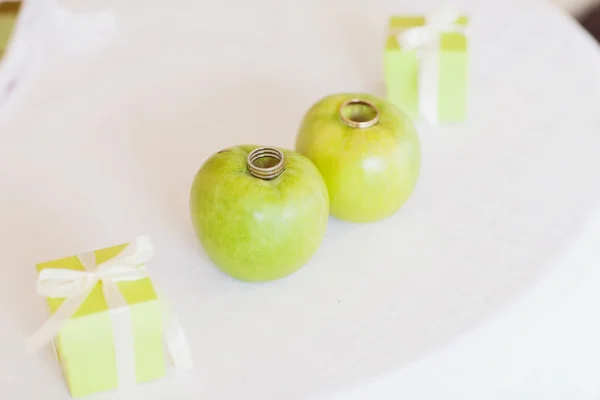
point(134, 292)
point(449, 41)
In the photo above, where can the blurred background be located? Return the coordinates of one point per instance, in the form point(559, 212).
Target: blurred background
point(586, 11)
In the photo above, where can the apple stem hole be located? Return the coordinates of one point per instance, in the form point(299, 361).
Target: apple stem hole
point(265, 163)
point(359, 113)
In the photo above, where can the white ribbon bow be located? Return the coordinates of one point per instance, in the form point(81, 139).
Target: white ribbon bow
point(76, 286)
point(426, 41)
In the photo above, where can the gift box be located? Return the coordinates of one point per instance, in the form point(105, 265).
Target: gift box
point(108, 325)
point(9, 12)
point(426, 66)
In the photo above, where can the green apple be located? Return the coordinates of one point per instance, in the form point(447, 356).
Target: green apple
point(259, 212)
point(367, 151)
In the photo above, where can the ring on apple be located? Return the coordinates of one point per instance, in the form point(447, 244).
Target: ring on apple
point(367, 151)
point(259, 212)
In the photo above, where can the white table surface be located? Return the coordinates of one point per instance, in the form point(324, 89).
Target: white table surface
point(484, 286)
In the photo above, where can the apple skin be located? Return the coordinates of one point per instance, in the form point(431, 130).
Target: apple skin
point(369, 172)
point(258, 230)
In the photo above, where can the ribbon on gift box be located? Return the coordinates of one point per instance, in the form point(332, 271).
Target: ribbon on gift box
point(425, 40)
point(75, 287)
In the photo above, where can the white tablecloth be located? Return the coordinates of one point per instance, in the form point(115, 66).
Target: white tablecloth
point(484, 286)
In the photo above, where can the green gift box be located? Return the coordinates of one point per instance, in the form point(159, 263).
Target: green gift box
point(108, 325)
point(428, 77)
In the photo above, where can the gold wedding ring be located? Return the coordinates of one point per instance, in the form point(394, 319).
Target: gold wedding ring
point(356, 120)
point(258, 170)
